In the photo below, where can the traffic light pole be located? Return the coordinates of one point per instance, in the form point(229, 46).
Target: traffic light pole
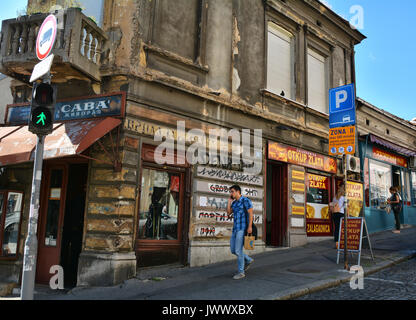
point(31, 244)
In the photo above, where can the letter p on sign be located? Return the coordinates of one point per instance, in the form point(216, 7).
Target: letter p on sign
point(340, 97)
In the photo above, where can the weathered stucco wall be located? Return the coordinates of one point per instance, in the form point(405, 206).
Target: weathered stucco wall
point(385, 126)
point(107, 256)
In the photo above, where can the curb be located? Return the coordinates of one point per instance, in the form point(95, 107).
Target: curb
point(327, 284)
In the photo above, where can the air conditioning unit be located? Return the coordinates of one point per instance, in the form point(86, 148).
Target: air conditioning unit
point(412, 163)
point(353, 164)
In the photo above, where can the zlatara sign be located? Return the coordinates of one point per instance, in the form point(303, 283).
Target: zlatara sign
point(93, 107)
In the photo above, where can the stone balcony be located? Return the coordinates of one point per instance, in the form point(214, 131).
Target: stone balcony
point(78, 47)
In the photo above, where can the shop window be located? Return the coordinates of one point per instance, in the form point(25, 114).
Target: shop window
point(159, 205)
point(11, 204)
point(318, 221)
point(280, 64)
point(366, 183)
point(414, 187)
point(405, 189)
point(318, 197)
point(317, 81)
point(380, 183)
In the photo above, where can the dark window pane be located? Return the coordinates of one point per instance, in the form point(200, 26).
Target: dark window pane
point(12, 222)
point(51, 230)
point(1, 207)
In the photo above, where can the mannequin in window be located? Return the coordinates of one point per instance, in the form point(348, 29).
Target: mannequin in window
point(153, 222)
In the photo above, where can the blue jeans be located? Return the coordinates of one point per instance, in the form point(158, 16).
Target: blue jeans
point(236, 246)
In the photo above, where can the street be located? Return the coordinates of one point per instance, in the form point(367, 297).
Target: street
point(395, 283)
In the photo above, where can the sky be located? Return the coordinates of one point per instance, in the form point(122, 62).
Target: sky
point(385, 62)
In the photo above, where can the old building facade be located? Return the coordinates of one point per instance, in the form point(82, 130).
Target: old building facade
point(206, 64)
point(387, 151)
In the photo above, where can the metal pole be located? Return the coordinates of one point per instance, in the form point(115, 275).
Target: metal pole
point(345, 214)
point(31, 244)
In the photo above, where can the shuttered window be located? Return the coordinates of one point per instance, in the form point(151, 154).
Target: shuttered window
point(317, 81)
point(280, 66)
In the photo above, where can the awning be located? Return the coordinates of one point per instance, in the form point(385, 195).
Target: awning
point(18, 145)
point(392, 146)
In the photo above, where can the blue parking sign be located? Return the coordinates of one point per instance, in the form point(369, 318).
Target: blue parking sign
point(342, 106)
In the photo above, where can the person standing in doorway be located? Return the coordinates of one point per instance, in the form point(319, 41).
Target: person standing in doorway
point(337, 207)
point(396, 206)
point(242, 210)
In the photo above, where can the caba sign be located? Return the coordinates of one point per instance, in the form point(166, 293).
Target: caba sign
point(93, 107)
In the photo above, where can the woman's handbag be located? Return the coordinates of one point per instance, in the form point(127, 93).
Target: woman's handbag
point(249, 242)
point(388, 209)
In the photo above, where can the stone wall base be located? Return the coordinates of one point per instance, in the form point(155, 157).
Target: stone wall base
point(297, 239)
point(10, 272)
point(203, 253)
point(105, 269)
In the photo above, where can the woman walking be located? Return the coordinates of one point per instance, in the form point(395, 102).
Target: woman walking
point(396, 206)
point(337, 207)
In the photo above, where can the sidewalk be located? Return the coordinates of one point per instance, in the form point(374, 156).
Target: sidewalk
point(280, 274)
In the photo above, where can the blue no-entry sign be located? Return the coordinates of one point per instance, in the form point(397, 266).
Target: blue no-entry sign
point(342, 106)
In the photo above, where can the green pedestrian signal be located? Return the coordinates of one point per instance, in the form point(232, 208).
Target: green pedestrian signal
point(42, 109)
point(42, 118)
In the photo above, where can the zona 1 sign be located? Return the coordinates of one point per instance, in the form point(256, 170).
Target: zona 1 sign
point(46, 37)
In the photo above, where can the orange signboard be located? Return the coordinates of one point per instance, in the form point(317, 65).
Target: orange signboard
point(389, 157)
point(342, 140)
point(284, 153)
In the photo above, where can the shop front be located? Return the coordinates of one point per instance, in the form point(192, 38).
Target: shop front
point(301, 184)
point(385, 165)
point(182, 205)
point(63, 194)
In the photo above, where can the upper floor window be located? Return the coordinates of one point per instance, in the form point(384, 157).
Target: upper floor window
point(11, 204)
point(280, 64)
point(317, 81)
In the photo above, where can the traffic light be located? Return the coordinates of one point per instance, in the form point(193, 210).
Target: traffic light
point(42, 109)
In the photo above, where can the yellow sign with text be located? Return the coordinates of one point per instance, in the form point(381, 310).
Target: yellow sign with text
point(355, 195)
point(298, 175)
point(298, 186)
point(300, 211)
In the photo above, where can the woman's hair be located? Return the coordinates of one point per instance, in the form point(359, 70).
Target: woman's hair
point(340, 191)
point(393, 189)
